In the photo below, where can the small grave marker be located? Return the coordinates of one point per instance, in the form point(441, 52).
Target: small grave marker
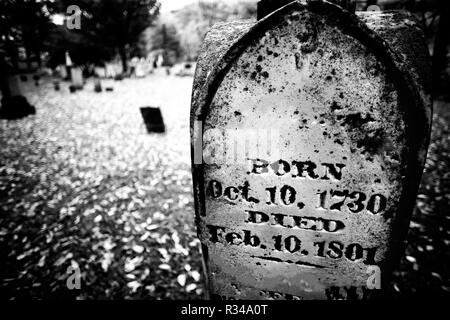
point(153, 120)
point(97, 85)
point(77, 78)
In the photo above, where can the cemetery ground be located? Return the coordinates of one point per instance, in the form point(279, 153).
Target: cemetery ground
point(83, 185)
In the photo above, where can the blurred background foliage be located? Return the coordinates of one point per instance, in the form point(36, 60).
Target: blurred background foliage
point(128, 28)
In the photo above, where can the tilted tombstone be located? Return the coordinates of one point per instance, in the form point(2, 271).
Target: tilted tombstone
point(153, 119)
point(309, 132)
point(62, 71)
point(100, 72)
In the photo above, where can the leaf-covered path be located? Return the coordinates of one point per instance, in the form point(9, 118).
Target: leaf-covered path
point(82, 184)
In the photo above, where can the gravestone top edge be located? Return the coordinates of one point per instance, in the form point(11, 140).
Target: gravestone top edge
point(216, 63)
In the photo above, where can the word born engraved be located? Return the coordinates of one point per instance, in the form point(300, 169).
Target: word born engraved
point(299, 169)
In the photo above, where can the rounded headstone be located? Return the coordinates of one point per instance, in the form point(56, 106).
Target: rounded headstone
point(313, 139)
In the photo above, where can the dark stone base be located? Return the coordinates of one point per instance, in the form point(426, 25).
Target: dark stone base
point(16, 107)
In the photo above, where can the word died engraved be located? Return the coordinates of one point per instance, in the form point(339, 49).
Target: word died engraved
point(289, 221)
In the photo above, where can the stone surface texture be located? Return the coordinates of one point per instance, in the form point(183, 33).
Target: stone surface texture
point(349, 103)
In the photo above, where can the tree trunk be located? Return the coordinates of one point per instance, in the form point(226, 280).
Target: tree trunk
point(123, 57)
point(28, 53)
point(12, 52)
point(440, 45)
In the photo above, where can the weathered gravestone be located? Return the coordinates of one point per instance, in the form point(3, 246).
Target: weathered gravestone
point(309, 134)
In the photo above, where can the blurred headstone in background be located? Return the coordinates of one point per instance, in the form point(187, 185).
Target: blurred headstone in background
point(110, 70)
point(97, 85)
point(13, 104)
point(100, 72)
point(184, 69)
point(153, 119)
point(139, 70)
point(77, 78)
point(132, 66)
point(68, 65)
point(61, 71)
